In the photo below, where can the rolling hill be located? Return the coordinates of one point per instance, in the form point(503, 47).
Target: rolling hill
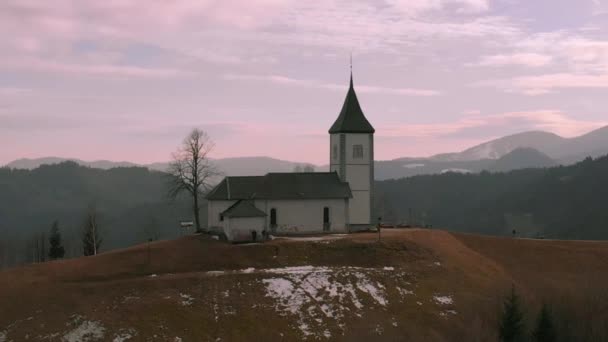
point(482, 157)
point(565, 202)
point(564, 150)
point(522, 158)
point(415, 285)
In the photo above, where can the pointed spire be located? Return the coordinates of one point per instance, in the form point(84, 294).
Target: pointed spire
point(351, 118)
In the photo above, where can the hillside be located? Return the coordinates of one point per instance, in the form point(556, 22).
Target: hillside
point(478, 158)
point(497, 148)
point(561, 202)
point(131, 203)
point(564, 150)
point(522, 158)
point(416, 285)
point(241, 166)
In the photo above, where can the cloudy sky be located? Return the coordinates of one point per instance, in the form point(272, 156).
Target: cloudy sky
point(127, 79)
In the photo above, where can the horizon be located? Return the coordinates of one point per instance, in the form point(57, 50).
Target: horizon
point(115, 82)
point(266, 156)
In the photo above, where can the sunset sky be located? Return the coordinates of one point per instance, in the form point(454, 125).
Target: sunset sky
point(127, 79)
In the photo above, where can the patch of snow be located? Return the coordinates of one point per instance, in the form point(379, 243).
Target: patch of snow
point(404, 292)
point(389, 268)
point(86, 331)
point(215, 237)
point(437, 263)
point(226, 293)
point(379, 329)
point(413, 166)
point(177, 339)
point(125, 335)
point(187, 299)
point(443, 300)
point(153, 275)
point(327, 334)
point(2, 336)
point(216, 273)
point(312, 293)
point(313, 238)
point(366, 286)
point(248, 270)
point(419, 303)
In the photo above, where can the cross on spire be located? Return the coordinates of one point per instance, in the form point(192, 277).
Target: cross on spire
point(351, 69)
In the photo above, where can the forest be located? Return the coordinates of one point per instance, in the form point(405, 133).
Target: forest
point(131, 205)
point(564, 202)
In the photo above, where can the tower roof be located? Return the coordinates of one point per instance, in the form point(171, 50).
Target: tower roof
point(351, 118)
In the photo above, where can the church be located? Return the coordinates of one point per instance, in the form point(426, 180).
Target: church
point(339, 201)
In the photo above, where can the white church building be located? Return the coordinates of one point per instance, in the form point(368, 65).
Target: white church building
point(339, 201)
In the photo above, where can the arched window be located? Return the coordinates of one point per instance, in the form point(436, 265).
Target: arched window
point(273, 217)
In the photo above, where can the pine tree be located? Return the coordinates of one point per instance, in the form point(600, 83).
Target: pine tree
point(545, 330)
point(56, 250)
point(511, 323)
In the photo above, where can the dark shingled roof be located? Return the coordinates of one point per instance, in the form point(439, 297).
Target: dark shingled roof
point(351, 118)
point(293, 185)
point(243, 208)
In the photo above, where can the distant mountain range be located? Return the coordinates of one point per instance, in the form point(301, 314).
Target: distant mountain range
point(240, 166)
point(563, 150)
point(524, 150)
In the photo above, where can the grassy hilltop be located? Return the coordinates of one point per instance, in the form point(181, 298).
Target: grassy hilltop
point(417, 285)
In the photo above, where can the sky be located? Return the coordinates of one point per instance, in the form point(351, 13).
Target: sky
point(128, 79)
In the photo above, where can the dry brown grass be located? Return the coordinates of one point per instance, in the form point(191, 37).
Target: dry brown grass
point(116, 289)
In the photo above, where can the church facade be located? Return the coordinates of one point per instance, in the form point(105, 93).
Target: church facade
point(338, 201)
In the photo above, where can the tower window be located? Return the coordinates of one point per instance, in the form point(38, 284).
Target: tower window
point(335, 152)
point(357, 151)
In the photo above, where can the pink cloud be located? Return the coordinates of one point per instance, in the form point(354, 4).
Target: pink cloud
point(543, 84)
point(550, 120)
point(278, 79)
point(524, 59)
point(121, 71)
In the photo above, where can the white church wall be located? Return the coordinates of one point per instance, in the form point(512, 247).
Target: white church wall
point(358, 177)
point(306, 216)
point(214, 209)
point(238, 229)
point(360, 208)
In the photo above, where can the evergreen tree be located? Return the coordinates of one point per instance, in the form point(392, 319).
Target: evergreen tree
point(56, 250)
point(545, 330)
point(511, 323)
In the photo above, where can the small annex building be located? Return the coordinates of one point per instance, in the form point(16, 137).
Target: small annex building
point(248, 208)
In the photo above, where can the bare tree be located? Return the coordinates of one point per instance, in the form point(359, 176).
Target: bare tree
point(91, 237)
point(191, 171)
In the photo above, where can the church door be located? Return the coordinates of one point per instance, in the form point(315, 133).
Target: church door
point(326, 223)
point(273, 219)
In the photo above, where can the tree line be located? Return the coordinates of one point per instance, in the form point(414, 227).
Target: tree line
point(42, 247)
point(553, 321)
point(565, 202)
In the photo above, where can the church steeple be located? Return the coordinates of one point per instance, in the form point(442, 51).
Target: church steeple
point(351, 118)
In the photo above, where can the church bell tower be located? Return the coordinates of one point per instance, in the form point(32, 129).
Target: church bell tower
point(352, 157)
